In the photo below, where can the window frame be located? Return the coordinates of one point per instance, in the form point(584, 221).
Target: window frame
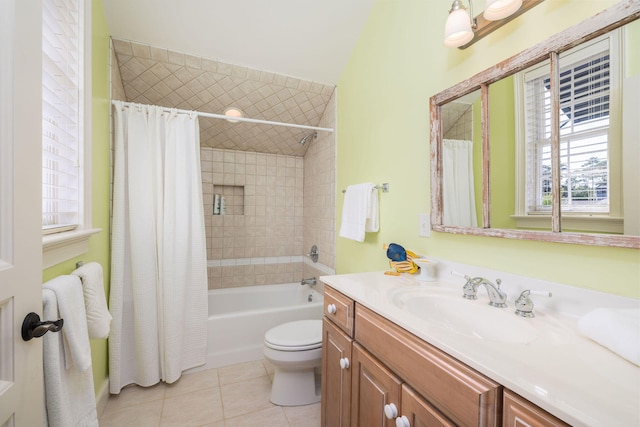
point(63, 244)
point(610, 222)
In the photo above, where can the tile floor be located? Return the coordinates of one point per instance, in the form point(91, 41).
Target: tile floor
point(235, 396)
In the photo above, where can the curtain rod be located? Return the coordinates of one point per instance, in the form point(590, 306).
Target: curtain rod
point(235, 119)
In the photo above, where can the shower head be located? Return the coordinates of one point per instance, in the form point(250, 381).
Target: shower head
point(306, 137)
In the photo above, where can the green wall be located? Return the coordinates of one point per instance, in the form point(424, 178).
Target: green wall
point(100, 179)
point(383, 136)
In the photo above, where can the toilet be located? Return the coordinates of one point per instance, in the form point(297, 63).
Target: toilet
point(295, 350)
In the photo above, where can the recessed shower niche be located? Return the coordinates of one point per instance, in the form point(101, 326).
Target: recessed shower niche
point(230, 200)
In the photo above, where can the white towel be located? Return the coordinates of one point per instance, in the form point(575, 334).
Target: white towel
point(69, 394)
point(95, 302)
point(616, 329)
point(359, 212)
point(68, 290)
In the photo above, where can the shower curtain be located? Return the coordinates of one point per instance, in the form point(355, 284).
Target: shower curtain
point(158, 296)
point(458, 198)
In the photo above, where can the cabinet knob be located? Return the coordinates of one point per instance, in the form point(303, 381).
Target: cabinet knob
point(331, 309)
point(402, 421)
point(344, 363)
point(390, 411)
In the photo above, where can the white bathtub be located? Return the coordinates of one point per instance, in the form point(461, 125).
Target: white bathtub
point(239, 318)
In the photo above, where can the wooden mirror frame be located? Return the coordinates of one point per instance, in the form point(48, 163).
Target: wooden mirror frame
point(608, 20)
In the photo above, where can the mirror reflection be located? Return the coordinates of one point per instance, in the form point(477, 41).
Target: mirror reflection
point(590, 112)
point(598, 152)
point(462, 162)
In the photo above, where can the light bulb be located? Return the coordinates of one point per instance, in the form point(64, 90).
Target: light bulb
point(500, 9)
point(233, 112)
point(457, 29)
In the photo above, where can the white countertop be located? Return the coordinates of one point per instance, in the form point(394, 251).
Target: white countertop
point(561, 371)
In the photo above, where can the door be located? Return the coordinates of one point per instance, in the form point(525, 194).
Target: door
point(21, 400)
point(336, 376)
point(375, 391)
point(419, 413)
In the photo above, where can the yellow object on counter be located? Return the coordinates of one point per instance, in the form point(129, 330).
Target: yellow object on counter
point(405, 266)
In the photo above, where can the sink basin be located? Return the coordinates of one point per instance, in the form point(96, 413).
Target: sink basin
point(474, 318)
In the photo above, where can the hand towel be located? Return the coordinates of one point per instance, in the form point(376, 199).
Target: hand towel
point(95, 302)
point(68, 290)
point(616, 329)
point(359, 212)
point(69, 394)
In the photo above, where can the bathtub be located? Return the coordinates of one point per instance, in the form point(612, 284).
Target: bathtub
point(239, 318)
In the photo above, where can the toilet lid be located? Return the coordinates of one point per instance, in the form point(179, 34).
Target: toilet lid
point(295, 336)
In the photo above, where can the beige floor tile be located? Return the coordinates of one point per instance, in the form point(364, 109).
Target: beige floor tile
point(303, 416)
point(192, 409)
point(141, 415)
point(196, 381)
point(272, 417)
point(134, 395)
point(246, 397)
point(241, 372)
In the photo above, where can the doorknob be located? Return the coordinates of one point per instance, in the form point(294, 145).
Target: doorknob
point(32, 327)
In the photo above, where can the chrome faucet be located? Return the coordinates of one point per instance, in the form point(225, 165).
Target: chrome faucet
point(310, 282)
point(524, 304)
point(497, 298)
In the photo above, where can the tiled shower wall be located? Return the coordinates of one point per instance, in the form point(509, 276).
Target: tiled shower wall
point(263, 244)
point(320, 197)
point(288, 206)
point(458, 120)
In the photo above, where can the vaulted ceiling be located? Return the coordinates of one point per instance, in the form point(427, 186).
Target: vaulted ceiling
point(276, 60)
point(172, 79)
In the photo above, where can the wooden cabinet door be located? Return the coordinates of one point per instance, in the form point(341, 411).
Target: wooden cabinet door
point(336, 379)
point(419, 413)
point(519, 412)
point(373, 387)
point(465, 396)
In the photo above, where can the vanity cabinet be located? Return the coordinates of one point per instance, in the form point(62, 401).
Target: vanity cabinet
point(378, 397)
point(336, 376)
point(419, 413)
point(519, 412)
point(358, 384)
point(449, 389)
point(337, 343)
point(339, 309)
point(373, 387)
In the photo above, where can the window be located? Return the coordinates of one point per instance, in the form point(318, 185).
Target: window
point(588, 102)
point(65, 119)
point(62, 114)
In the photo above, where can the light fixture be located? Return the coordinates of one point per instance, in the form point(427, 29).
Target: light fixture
point(500, 9)
point(233, 112)
point(458, 30)
point(462, 29)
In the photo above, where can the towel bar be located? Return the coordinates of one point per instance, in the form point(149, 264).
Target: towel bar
point(384, 187)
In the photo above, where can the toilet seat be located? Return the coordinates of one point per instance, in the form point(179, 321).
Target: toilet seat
point(295, 336)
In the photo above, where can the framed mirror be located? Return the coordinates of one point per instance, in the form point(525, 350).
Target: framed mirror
point(538, 147)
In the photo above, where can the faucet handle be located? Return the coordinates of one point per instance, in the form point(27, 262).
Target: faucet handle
point(541, 293)
point(455, 273)
point(524, 304)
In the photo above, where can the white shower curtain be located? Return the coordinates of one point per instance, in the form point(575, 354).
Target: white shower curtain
point(158, 296)
point(458, 198)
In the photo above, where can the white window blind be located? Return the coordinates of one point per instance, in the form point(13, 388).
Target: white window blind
point(62, 114)
point(584, 129)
